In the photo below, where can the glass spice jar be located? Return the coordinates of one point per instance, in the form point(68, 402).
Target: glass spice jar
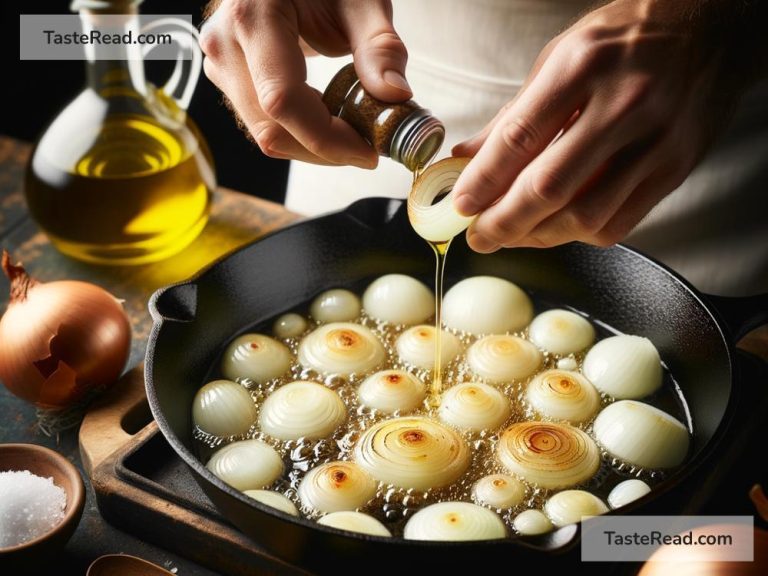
point(403, 131)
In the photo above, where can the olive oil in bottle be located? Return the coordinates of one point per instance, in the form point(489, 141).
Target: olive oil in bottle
point(122, 175)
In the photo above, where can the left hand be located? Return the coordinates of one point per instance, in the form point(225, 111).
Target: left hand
point(614, 115)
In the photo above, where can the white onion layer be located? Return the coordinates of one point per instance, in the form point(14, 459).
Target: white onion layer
point(336, 486)
point(486, 305)
point(437, 222)
point(341, 348)
point(337, 305)
point(563, 395)
point(223, 408)
point(412, 452)
point(474, 406)
point(498, 491)
point(301, 410)
point(355, 522)
point(392, 391)
point(290, 325)
point(274, 499)
point(257, 357)
point(416, 346)
point(454, 521)
point(627, 491)
point(561, 332)
point(548, 454)
point(503, 358)
point(641, 435)
point(532, 523)
point(571, 506)
point(247, 464)
point(398, 299)
point(624, 367)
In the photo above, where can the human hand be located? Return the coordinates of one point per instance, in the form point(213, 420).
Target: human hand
point(614, 115)
point(254, 52)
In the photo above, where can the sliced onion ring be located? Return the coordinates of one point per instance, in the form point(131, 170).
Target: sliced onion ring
point(336, 486)
point(571, 506)
point(392, 391)
point(454, 521)
point(641, 435)
point(503, 358)
point(302, 409)
point(498, 491)
point(563, 395)
point(547, 454)
point(474, 406)
point(355, 522)
point(341, 348)
point(412, 452)
point(257, 357)
point(247, 464)
point(416, 346)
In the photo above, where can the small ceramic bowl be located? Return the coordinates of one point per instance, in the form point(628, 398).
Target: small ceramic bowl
point(46, 463)
point(124, 565)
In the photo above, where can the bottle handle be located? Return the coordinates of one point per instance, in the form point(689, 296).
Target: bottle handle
point(189, 59)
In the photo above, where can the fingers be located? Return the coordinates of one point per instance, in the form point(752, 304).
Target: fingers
point(380, 56)
point(254, 55)
point(278, 73)
point(588, 215)
point(522, 132)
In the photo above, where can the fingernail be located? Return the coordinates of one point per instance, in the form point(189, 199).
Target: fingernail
point(466, 205)
point(480, 243)
point(394, 78)
point(363, 162)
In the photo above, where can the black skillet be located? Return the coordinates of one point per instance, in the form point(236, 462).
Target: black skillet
point(194, 320)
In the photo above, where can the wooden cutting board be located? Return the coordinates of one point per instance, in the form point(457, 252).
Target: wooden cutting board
point(143, 487)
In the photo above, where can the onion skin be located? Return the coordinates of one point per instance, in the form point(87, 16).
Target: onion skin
point(58, 340)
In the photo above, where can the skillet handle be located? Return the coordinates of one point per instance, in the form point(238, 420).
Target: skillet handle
point(740, 315)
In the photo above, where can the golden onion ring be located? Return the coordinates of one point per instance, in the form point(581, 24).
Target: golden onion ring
point(502, 358)
point(563, 395)
point(547, 454)
point(336, 486)
point(474, 406)
point(341, 348)
point(412, 452)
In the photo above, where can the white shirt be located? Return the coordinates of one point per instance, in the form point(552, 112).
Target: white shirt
point(467, 58)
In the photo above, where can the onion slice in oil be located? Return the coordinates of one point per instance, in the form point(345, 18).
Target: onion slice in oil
point(571, 506)
point(341, 348)
point(454, 521)
point(336, 486)
point(503, 358)
point(302, 409)
point(412, 452)
point(474, 407)
point(247, 464)
point(355, 522)
point(547, 454)
point(563, 395)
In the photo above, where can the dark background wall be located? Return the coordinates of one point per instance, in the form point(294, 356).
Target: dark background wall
point(34, 91)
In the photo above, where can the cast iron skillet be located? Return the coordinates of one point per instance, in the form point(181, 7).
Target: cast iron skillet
point(194, 320)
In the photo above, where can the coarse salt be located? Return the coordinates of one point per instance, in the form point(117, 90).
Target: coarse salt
point(30, 506)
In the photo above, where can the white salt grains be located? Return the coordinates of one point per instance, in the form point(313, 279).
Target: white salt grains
point(30, 506)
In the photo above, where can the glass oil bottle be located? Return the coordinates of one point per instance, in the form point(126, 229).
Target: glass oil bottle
point(122, 175)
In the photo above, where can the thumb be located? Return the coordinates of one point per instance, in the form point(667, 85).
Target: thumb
point(380, 56)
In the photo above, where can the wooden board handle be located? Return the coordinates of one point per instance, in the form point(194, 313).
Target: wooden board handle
point(114, 419)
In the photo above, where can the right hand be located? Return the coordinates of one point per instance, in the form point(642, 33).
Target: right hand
point(255, 53)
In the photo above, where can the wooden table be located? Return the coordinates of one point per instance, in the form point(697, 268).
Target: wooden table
point(236, 219)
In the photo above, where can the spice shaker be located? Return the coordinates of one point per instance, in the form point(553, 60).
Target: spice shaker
point(404, 131)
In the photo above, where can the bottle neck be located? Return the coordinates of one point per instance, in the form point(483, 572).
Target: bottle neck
point(117, 64)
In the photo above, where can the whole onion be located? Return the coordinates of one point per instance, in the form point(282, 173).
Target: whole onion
point(58, 340)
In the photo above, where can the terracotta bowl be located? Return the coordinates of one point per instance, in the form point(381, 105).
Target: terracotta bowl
point(44, 462)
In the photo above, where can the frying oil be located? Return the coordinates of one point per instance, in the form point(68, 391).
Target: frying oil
point(392, 505)
point(139, 193)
